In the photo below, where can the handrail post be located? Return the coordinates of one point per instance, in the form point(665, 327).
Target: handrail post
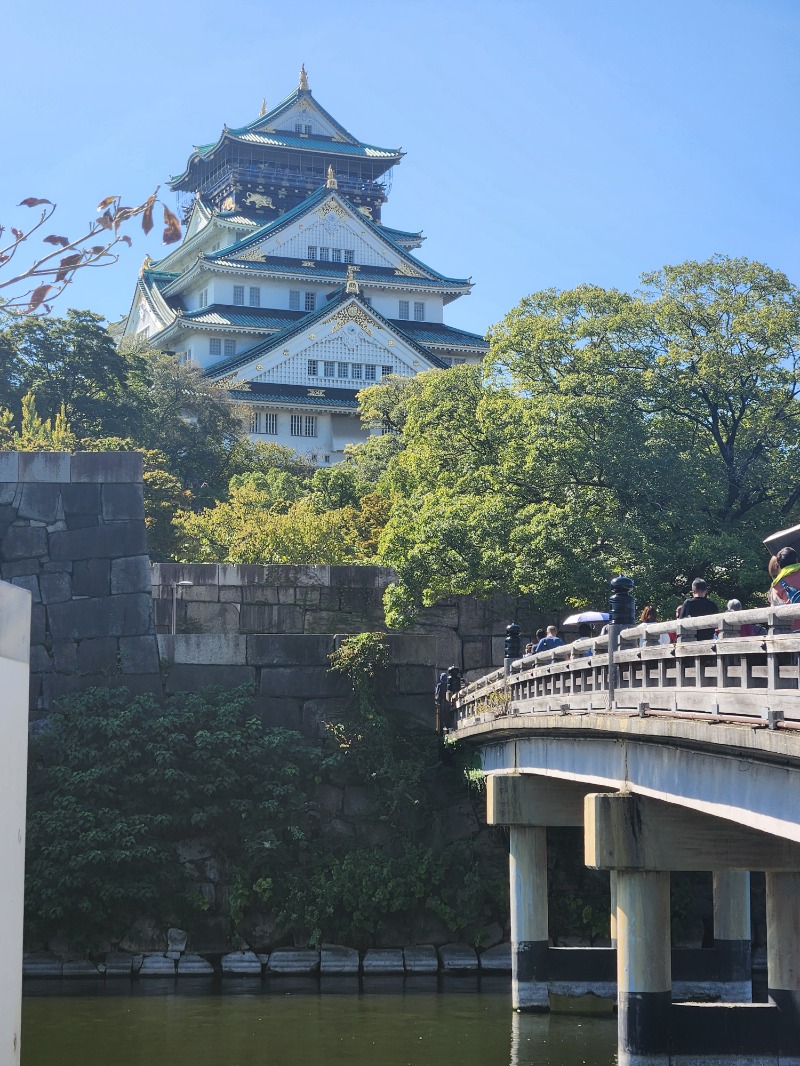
point(622, 610)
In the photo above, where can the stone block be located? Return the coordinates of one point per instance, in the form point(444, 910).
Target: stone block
point(416, 679)
point(421, 958)
point(329, 798)
point(383, 960)
point(498, 650)
point(144, 935)
point(289, 649)
point(122, 502)
point(40, 659)
point(354, 576)
point(458, 958)
point(45, 466)
point(357, 801)
point(277, 618)
point(448, 649)
point(107, 467)
point(294, 576)
point(39, 502)
point(333, 958)
point(293, 961)
point(130, 575)
point(91, 577)
point(112, 541)
point(309, 682)
point(496, 959)
point(81, 521)
point(65, 657)
point(213, 617)
point(204, 649)
point(23, 542)
point(477, 654)
point(139, 655)
point(198, 594)
point(55, 588)
point(79, 968)
point(118, 964)
point(129, 615)
point(256, 594)
point(333, 622)
point(8, 491)
point(474, 616)
point(417, 649)
point(40, 963)
point(9, 467)
point(164, 574)
point(98, 655)
point(280, 713)
point(80, 500)
point(157, 966)
point(31, 583)
point(20, 567)
point(38, 624)
point(194, 966)
point(443, 615)
point(229, 594)
point(185, 678)
point(245, 963)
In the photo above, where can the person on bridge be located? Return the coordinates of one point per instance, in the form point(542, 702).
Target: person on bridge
point(785, 573)
point(698, 605)
point(552, 640)
point(648, 616)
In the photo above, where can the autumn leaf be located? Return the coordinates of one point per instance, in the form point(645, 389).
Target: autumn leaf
point(67, 264)
point(105, 221)
point(104, 204)
point(54, 239)
point(127, 239)
point(147, 217)
point(17, 233)
point(37, 296)
point(32, 201)
point(172, 227)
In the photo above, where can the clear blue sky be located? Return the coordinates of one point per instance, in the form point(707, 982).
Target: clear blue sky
point(549, 142)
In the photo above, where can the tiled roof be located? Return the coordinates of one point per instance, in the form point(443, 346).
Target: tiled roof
point(439, 333)
point(257, 318)
point(338, 272)
point(275, 392)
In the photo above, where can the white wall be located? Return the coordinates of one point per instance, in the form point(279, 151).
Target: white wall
point(15, 626)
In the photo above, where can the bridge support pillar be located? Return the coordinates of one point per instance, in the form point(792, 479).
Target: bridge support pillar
point(530, 936)
point(732, 937)
point(644, 978)
point(783, 959)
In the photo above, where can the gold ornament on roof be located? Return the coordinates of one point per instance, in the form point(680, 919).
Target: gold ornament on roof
point(352, 284)
point(263, 110)
point(331, 183)
point(353, 313)
point(405, 271)
point(228, 204)
point(303, 78)
point(332, 207)
point(147, 262)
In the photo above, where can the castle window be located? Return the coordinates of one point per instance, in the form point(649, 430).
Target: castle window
point(230, 348)
point(403, 312)
point(310, 426)
point(255, 296)
point(343, 370)
point(312, 251)
point(264, 422)
point(330, 369)
point(326, 458)
point(349, 255)
point(307, 129)
point(370, 372)
point(419, 311)
point(386, 370)
point(298, 127)
point(303, 426)
point(215, 346)
point(202, 298)
point(294, 300)
point(238, 295)
point(324, 254)
point(313, 368)
point(356, 370)
point(336, 255)
point(311, 301)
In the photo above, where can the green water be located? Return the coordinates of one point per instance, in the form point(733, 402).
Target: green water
point(248, 1025)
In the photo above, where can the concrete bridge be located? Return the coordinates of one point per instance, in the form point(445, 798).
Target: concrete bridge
point(681, 756)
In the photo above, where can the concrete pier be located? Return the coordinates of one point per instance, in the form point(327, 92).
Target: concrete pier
point(644, 979)
point(783, 959)
point(732, 935)
point(529, 925)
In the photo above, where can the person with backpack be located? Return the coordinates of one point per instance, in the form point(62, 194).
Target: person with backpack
point(697, 605)
point(785, 572)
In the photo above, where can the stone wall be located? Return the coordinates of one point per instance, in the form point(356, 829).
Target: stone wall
point(72, 533)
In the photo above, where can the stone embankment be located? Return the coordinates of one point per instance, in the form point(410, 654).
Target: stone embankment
point(329, 960)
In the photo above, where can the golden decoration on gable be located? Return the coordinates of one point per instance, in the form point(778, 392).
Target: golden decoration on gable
point(332, 207)
point(312, 336)
point(257, 200)
point(316, 392)
point(367, 211)
point(228, 204)
point(308, 263)
point(352, 313)
point(252, 255)
point(405, 271)
point(391, 344)
point(303, 78)
point(263, 110)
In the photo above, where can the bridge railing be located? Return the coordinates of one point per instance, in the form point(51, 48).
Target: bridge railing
point(734, 677)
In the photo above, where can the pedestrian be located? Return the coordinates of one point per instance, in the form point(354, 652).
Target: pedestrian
point(698, 605)
point(584, 631)
point(648, 616)
point(746, 629)
point(785, 573)
point(550, 640)
point(440, 696)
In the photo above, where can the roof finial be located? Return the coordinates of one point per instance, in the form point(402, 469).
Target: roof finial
point(352, 284)
point(331, 183)
point(263, 110)
point(303, 78)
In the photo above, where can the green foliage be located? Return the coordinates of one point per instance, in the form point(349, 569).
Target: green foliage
point(35, 434)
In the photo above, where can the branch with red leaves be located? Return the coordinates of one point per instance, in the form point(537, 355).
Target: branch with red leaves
point(49, 274)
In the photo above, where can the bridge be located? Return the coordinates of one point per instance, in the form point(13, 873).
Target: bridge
point(682, 756)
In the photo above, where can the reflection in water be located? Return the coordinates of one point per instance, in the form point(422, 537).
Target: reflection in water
point(284, 1023)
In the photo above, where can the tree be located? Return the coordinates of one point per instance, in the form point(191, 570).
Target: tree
point(32, 288)
point(654, 434)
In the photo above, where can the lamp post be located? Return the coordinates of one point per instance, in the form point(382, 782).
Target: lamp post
point(175, 586)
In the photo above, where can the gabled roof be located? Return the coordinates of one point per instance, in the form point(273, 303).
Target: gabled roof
point(316, 199)
point(265, 130)
point(233, 363)
point(294, 395)
point(248, 317)
point(439, 333)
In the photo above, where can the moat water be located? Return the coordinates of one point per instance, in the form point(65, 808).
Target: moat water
point(249, 1024)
